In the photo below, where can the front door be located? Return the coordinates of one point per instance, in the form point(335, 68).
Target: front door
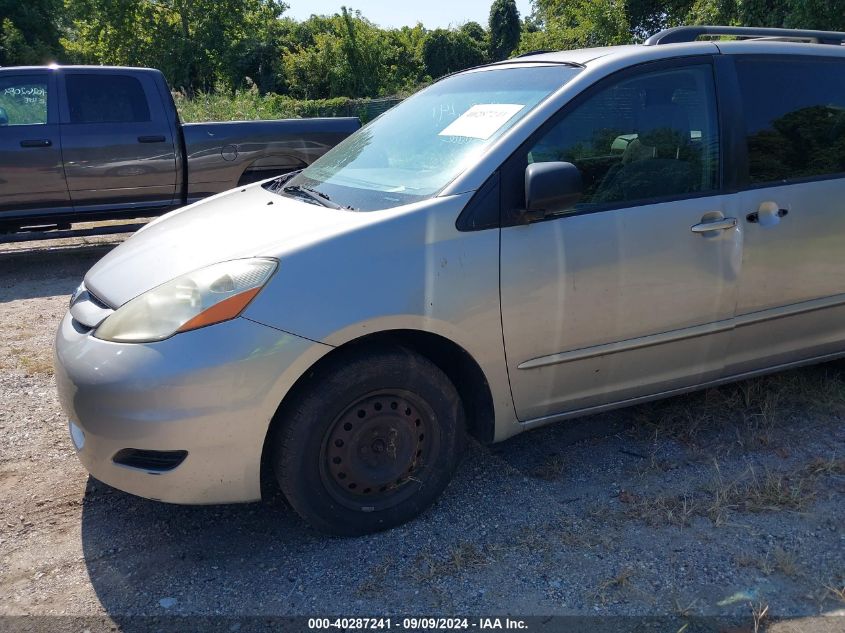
point(32, 179)
point(631, 291)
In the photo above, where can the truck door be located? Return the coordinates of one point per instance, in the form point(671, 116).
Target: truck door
point(118, 144)
point(32, 181)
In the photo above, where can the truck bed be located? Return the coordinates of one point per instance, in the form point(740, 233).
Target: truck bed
point(223, 155)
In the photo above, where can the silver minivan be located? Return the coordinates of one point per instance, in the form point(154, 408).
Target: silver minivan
point(520, 243)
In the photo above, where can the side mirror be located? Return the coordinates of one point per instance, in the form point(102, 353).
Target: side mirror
point(551, 187)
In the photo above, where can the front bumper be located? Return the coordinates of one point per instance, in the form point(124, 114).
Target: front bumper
point(211, 392)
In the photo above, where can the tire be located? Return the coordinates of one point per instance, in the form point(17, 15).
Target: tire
point(370, 443)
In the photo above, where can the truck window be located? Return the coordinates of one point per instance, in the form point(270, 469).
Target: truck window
point(106, 98)
point(23, 100)
point(645, 138)
point(799, 131)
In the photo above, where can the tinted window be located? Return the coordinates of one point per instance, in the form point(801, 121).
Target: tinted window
point(647, 137)
point(23, 100)
point(106, 99)
point(795, 117)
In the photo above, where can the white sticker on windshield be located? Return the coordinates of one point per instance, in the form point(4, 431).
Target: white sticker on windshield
point(482, 120)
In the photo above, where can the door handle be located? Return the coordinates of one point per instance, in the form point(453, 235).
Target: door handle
point(722, 224)
point(769, 214)
point(155, 138)
point(37, 142)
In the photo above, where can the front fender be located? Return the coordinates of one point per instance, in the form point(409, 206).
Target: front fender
point(405, 270)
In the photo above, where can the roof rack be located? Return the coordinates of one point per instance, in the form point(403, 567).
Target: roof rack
point(692, 33)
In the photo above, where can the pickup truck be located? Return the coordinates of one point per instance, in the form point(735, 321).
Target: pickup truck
point(84, 143)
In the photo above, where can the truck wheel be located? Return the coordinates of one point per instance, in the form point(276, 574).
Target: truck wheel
point(371, 443)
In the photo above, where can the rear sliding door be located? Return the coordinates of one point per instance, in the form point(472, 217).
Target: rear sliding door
point(791, 299)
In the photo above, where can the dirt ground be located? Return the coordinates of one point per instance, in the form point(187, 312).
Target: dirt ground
point(729, 502)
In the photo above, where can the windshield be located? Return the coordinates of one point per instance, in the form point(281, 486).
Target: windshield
point(418, 147)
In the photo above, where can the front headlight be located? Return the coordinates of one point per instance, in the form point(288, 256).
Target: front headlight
point(209, 295)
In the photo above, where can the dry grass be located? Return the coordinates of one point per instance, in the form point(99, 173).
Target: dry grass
point(550, 469)
point(835, 591)
point(32, 360)
point(778, 560)
point(463, 557)
point(36, 364)
point(621, 581)
point(746, 414)
point(23, 349)
point(374, 583)
point(752, 492)
point(685, 611)
point(825, 466)
point(661, 509)
point(759, 615)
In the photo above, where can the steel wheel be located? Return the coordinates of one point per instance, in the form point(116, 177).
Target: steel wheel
point(374, 449)
point(370, 442)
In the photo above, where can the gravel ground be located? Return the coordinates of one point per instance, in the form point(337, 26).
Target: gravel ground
point(719, 503)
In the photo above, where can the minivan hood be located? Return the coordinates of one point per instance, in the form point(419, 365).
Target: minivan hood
point(240, 223)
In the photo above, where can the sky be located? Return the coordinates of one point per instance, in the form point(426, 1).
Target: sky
point(394, 13)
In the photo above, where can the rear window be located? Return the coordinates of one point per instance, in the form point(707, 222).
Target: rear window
point(795, 117)
point(106, 98)
point(23, 100)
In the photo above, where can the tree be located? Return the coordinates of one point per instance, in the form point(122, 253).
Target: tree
point(404, 58)
point(29, 31)
point(504, 29)
point(189, 40)
point(346, 55)
point(477, 33)
point(827, 15)
point(446, 51)
point(647, 17)
point(568, 24)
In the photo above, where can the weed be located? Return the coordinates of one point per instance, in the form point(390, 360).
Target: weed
point(620, 581)
point(662, 509)
point(33, 365)
point(550, 469)
point(464, 556)
point(835, 591)
point(759, 615)
point(686, 611)
point(374, 582)
point(770, 492)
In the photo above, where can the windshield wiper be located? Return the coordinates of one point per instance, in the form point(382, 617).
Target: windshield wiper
point(317, 196)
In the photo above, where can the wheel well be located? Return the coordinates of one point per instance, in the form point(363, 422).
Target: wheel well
point(458, 365)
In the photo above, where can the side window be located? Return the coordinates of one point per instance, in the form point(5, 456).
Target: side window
point(644, 138)
point(23, 100)
point(106, 99)
point(794, 116)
